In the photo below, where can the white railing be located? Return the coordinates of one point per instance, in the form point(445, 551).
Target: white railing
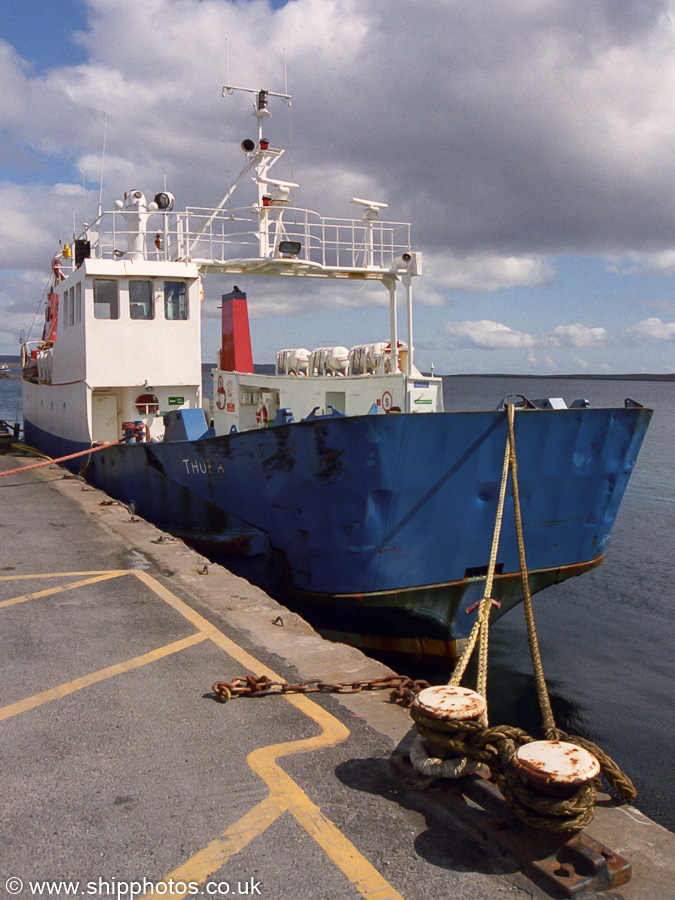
point(218, 236)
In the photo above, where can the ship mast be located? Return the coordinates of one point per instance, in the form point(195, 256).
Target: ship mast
point(272, 199)
point(272, 194)
point(259, 156)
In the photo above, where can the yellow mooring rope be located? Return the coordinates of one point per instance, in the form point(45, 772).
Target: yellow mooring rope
point(540, 681)
point(496, 747)
point(480, 626)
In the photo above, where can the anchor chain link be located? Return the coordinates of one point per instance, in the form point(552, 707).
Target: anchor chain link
point(403, 689)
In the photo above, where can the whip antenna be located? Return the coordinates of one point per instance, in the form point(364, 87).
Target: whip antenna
point(100, 191)
point(84, 191)
point(290, 131)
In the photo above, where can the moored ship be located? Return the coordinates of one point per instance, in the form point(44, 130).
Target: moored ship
point(371, 507)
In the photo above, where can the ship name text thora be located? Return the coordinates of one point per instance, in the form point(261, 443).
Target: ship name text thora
point(204, 466)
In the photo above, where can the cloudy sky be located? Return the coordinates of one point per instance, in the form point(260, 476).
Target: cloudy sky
point(531, 143)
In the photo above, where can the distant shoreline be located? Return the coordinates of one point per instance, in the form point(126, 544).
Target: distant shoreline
point(268, 368)
point(579, 377)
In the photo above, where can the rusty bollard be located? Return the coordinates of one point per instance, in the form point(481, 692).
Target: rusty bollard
point(444, 703)
point(555, 768)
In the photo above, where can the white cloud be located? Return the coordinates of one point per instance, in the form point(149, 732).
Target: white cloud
point(488, 335)
point(546, 361)
point(549, 132)
point(571, 150)
point(29, 229)
point(491, 335)
point(13, 72)
point(485, 272)
point(577, 335)
point(661, 262)
point(652, 329)
point(281, 297)
point(68, 190)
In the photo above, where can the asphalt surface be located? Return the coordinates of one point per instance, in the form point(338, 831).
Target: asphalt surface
point(123, 774)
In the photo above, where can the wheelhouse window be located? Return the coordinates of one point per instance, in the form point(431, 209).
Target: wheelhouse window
point(175, 300)
point(78, 302)
point(71, 306)
point(106, 302)
point(140, 300)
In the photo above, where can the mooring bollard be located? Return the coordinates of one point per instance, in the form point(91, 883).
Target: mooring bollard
point(555, 768)
point(444, 703)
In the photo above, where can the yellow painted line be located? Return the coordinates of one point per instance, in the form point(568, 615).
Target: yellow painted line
point(232, 649)
point(215, 855)
point(48, 592)
point(362, 874)
point(285, 794)
point(61, 575)
point(69, 687)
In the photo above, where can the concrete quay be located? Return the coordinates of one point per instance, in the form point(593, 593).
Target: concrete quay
point(123, 776)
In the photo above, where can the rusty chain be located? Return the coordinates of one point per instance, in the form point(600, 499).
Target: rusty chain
point(403, 689)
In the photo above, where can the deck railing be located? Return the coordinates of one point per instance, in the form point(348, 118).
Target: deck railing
point(218, 236)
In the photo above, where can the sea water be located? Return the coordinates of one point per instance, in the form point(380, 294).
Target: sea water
point(10, 390)
point(606, 638)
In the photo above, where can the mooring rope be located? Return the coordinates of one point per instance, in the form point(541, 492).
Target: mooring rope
point(480, 626)
point(617, 779)
point(496, 746)
point(540, 680)
point(52, 462)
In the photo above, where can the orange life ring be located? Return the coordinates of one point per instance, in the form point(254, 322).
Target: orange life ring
point(261, 416)
point(147, 403)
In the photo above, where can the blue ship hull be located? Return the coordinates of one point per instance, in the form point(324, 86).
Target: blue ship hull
point(378, 528)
